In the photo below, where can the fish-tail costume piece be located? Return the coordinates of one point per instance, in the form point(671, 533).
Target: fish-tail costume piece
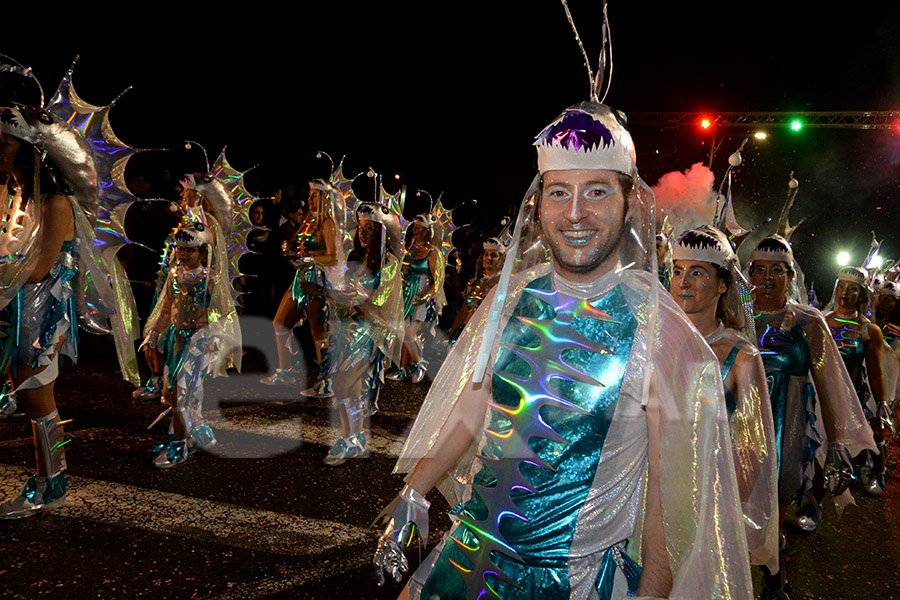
point(416, 279)
point(851, 337)
point(543, 491)
point(753, 446)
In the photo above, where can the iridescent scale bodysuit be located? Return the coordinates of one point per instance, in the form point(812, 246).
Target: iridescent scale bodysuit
point(563, 464)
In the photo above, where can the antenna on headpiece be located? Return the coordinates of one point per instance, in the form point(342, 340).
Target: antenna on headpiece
point(599, 84)
point(430, 199)
point(14, 66)
point(785, 229)
point(322, 153)
point(188, 144)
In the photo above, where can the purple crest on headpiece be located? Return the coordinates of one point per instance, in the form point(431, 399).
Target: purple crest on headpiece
point(576, 131)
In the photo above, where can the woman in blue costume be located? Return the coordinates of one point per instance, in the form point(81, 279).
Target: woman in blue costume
point(366, 319)
point(422, 277)
point(40, 321)
point(861, 345)
point(316, 249)
point(705, 284)
point(806, 377)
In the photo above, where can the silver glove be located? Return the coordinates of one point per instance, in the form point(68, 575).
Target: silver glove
point(887, 419)
point(408, 511)
point(838, 470)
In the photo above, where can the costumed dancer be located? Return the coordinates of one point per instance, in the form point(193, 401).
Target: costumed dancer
point(708, 285)
point(862, 346)
point(366, 317)
point(806, 377)
point(553, 463)
point(886, 314)
point(188, 202)
point(664, 253)
point(423, 280)
point(58, 178)
point(488, 274)
point(318, 243)
point(193, 330)
point(188, 334)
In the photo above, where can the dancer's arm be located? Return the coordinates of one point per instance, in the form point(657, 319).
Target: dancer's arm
point(656, 575)
point(57, 225)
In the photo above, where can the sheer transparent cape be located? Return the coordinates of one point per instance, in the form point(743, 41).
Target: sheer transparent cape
point(701, 511)
point(223, 323)
point(753, 448)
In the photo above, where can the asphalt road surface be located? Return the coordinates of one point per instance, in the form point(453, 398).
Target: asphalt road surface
point(261, 517)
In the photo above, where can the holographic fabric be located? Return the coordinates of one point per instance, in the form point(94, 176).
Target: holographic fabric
point(358, 363)
point(806, 378)
point(46, 311)
point(707, 556)
point(848, 335)
point(555, 388)
point(307, 273)
point(752, 441)
point(180, 329)
point(417, 278)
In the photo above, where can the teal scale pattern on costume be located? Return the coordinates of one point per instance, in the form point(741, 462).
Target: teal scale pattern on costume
point(174, 340)
point(556, 386)
point(853, 352)
point(308, 272)
point(415, 271)
point(785, 354)
point(730, 401)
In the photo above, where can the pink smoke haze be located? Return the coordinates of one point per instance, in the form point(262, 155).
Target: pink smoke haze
point(686, 197)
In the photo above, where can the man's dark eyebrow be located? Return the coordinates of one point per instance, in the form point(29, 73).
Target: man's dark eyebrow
point(608, 184)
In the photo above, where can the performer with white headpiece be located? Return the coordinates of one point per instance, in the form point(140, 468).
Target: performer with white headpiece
point(366, 321)
point(886, 314)
point(707, 283)
point(554, 462)
point(486, 277)
point(317, 255)
point(805, 375)
point(862, 347)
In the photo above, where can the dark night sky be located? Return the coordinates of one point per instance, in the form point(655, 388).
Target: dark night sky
point(450, 95)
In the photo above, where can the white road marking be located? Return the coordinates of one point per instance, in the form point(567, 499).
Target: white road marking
point(194, 518)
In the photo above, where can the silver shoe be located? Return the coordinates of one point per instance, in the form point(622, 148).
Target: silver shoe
point(173, 454)
point(322, 389)
point(347, 448)
point(38, 495)
point(150, 390)
point(9, 406)
point(280, 377)
point(875, 488)
point(398, 375)
point(809, 517)
point(421, 370)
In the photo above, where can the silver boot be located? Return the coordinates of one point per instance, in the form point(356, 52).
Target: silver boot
point(42, 493)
